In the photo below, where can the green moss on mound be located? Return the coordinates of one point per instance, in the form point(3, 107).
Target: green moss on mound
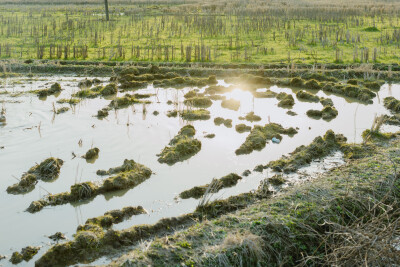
point(251, 117)
point(54, 89)
point(303, 95)
point(181, 147)
point(91, 153)
point(26, 254)
point(327, 113)
point(232, 104)
point(112, 217)
point(392, 104)
point(227, 122)
point(215, 186)
point(259, 135)
point(198, 101)
point(47, 170)
point(304, 155)
point(241, 128)
point(136, 175)
point(285, 100)
point(195, 114)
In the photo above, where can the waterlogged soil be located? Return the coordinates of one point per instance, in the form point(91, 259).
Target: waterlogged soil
point(33, 133)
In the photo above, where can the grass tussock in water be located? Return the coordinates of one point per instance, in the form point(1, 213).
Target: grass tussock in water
point(132, 175)
point(260, 135)
point(47, 170)
point(181, 147)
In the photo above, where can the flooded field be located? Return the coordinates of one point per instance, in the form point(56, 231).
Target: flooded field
point(33, 132)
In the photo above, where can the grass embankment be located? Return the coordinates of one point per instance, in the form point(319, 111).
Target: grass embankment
point(345, 217)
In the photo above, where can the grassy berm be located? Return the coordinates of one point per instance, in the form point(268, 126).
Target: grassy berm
point(348, 216)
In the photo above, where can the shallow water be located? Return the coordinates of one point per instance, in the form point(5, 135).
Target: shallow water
point(33, 133)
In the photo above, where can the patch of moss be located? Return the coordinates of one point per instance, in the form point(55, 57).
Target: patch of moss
point(172, 113)
point(326, 101)
point(26, 254)
point(91, 153)
point(209, 136)
point(241, 128)
point(259, 135)
point(303, 95)
point(251, 117)
point(392, 104)
point(47, 170)
point(218, 89)
point(113, 217)
point(122, 102)
point(276, 180)
point(195, 114)
point(102, 113)
point(374, 85)
point(376, 136)
point(109, 89)
point(85, 84)
point(362, 94)
point(312, 84)
point(198, 101)
point(136, 175)
point(297, 82)
point(285, 100)
point(86, 93)
point(304, 155)
point(227, 122)
point(327, 113)
point(215, 186)
point(232, 104)
point(54, 89)
point(181, 147)
point(264, 94)
point(71, 101)
point(62, 110)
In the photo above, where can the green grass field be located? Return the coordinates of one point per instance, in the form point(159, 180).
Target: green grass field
point(197, 31)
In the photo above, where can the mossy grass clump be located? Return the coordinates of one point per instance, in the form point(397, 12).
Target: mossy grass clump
point(91, 153)
point(251, 117)
point(210, 136)
point(326, 102)
point(312, 84)
point(297, 82)
point(241, 128)
point(181, 147)
point(124, 101)
point(303, 95)
point(62, 110)
point(102, 112)
point(71, 101)
point(186, 81)
point(313, 113)
point(231, 103)
point(264, 94)
point(376, 135)
point(304, 155)
point(259, 136)
point(285, 100)
point(392, 120)
point(124, 179)
point(109, 89)
point(195, 114)
point(198, 101)
point(327, 113)
point(362, 94)
point(277, 180)
point(85, 84)
point(352, 82)
point(86, 93)
point(215, 186)
point(113, 217)
point(392, 104)
point(190, 94)
point(26, 254)
point(54, 89)
point(373, 85)
point(291, 113)
point(129, 70)
point(47, 170)
point(172, 113)
point(219, 120)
